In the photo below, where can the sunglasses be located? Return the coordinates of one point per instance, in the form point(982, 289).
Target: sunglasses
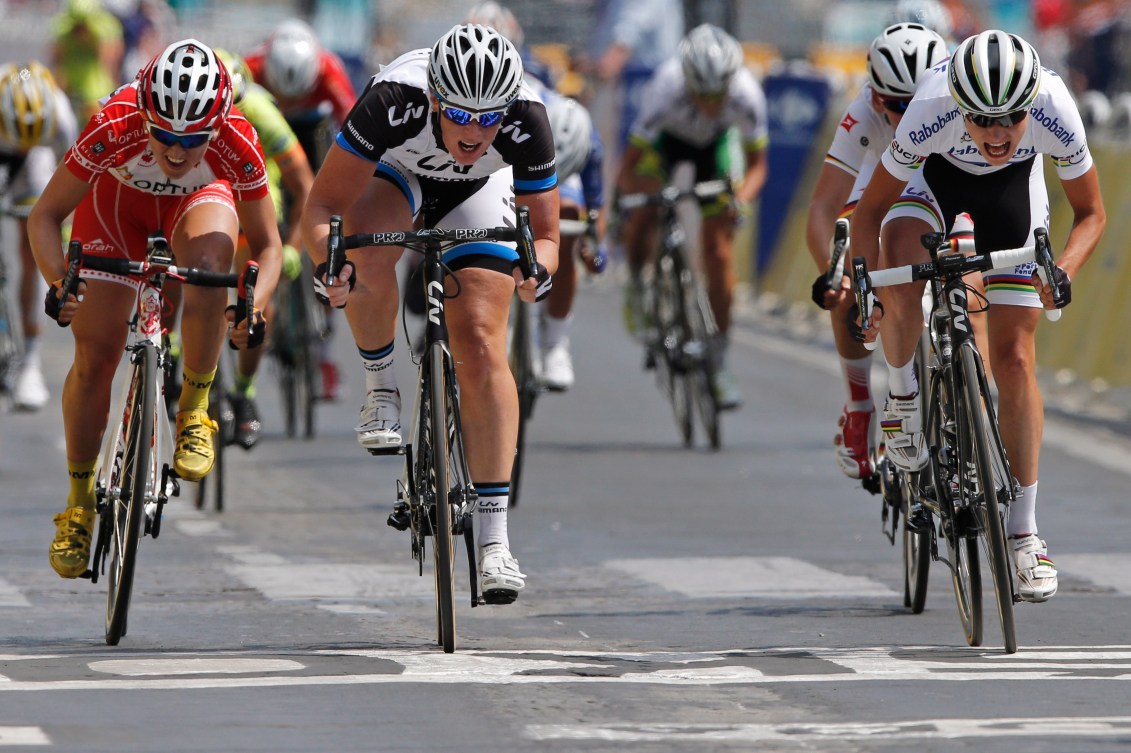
point(898, 106)
point(463, 117)
point(1005, 121)
point(185, 140)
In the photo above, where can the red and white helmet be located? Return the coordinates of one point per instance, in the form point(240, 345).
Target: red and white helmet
point(185, 89)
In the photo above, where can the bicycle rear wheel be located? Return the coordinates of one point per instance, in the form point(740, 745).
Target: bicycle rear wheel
point(522, 366)
point(669, 319)
point(980, 457)
point(442, 547)
point(916, 544)
point(127, 488)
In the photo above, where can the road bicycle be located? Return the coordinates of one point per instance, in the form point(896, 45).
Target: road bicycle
point(522, 355)
point(967, 483)
point(135, 477)
point(681, 335)
point(296, 341)
point(436, 498)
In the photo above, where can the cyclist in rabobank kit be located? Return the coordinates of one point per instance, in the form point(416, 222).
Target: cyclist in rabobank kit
point(897, 59)
point(705, 107)
point(37, 125)
point(971, 141)
point(454, 137)
point(167, 153)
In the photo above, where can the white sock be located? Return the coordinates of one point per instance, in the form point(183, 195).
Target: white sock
point(858, 376)
point(492, 517)
point(379, 373)
point(554, 330)
point(902, 381)
point(1023, 512)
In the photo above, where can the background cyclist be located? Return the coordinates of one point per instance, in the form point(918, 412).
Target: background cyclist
point(897, 59)
point(312, 88)
point(164, 152)
point(456, 139)
point(36, 126)
point(971, 141)
point(703, 107)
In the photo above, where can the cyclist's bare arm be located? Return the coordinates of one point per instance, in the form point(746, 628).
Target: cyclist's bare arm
point(337, 186)
point(755, 177)
point(545, 210)
point(297, 177)
point(1088, 221)
point(883, 190)
point(63, 193)
point(833, 188)
point(626, 176)
point(260, 227)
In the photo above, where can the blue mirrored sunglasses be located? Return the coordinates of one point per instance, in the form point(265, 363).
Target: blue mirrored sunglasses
point(463, 117)
point(186, 140)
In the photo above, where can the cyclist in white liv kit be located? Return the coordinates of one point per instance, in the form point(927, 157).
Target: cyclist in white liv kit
point(705, 107)
point(971, 141)
point(454, 137)
point(897, 59)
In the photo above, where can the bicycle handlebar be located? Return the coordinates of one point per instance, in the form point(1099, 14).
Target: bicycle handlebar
point(189, 275)
point(836, 256)
point(708, 189)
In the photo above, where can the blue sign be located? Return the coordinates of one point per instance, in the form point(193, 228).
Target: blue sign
point(797, 102)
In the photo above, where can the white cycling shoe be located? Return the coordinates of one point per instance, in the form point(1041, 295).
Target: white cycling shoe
point(500, 580)
point(1036, 573)
point(379, 422)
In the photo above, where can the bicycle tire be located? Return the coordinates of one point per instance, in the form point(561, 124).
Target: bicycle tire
point(669, 319)
point(10, 345)
point(702, 331)
point(962, 551)
point(136, 476)
point(306, 355)
point(285, 349)
point(916, 545)
point(522, 367)
point(980, 454)
point(442, 548)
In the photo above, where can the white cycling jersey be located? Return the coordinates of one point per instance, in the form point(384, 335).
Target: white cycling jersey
point(860, 140)
point(934, 125)
point(666, 107)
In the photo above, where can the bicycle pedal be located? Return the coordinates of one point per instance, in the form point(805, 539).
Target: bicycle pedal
point(498, 596)
point(387, 450)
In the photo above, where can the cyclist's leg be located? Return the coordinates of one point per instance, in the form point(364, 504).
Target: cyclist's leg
point(639, 231)
point(557, 311)
point(916, 213)
point(372, 313)
point(204, 230)
point(26, 185)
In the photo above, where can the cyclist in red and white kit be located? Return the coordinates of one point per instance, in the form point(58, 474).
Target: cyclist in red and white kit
point(454, 138)
point(168, 153)
point(972, 141)
point(897, 59)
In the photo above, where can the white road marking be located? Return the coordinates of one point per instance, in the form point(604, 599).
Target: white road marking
point(739, 667)
point(23, 736)
point(10, 596)
point(193, 666)
point(750, 577)
point(811, 732)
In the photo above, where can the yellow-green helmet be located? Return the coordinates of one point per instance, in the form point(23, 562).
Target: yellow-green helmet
point(238, 70)
point(27, 104)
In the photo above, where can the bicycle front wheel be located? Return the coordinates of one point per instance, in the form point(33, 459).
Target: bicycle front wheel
point(669, 319)
point(981, 455)
point(522, 366)
point(442, 548)
point(700, 353)
point(127, 493)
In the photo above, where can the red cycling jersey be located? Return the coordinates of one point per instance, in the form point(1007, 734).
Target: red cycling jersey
point(332, 85)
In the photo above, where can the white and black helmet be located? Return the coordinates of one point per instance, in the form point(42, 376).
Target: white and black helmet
point(929, 13)
point(710, 58)
point(573, 134)
point(475, 68)
point(293, 60)
point(900, 55)
point(994, 73)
